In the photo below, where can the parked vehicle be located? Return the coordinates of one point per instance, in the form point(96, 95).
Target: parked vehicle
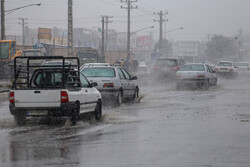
point(52, 91)
point(243, 66)
point(165, 68)
point(89, 55)
point(197, 75)
point(226, 69)
point(8, 52)
point(114, 83)
point(142, 73)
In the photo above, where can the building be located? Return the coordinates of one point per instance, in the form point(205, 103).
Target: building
point(188, 50)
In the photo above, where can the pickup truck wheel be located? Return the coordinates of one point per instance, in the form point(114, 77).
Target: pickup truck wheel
point(98, 110)
point(20, 118)
point(75, 114)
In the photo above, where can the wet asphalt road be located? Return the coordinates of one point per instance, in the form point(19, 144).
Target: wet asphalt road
point(191, 128)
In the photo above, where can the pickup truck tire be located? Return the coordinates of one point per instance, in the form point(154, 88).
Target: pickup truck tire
point(20, 118)
point(75, 114)
point(98, 110)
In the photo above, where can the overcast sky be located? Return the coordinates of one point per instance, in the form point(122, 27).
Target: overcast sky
point(198, 17)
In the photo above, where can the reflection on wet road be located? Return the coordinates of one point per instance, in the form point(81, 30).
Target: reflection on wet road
point(167, 128)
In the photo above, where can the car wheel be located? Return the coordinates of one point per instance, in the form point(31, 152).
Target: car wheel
point(119, 99)
point(75, 114)
point(98, 110)
point(20, 118)
point(206, 84)
point(132, 99)
point(215, 83)
point(137, 92)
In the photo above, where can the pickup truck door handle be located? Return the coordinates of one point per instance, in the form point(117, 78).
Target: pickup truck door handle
point(37, 91)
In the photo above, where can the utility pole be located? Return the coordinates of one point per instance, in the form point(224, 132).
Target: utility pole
point(128, 2)
point(240, 43)
point(165, 25)
point(103, 35)
point(107, 37)
point(160, 23)
point(70, 28)
point(23, 23)
point(2, 20)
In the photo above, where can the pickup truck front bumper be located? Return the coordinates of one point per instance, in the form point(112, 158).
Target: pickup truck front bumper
point(65, 109)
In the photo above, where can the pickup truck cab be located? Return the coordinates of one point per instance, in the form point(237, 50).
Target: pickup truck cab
point(55, 91)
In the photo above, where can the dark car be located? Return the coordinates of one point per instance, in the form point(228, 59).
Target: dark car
point(165, 68)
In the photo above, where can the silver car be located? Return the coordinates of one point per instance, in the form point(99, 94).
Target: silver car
point(114, 83)
point(195, 74)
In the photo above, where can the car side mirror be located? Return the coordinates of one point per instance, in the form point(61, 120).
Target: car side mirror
point(94, 84)
point(134, 78)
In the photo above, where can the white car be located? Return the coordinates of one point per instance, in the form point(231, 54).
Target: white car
point(197, 75)
point(114, 83)
point(226, 69)
point(243, 66)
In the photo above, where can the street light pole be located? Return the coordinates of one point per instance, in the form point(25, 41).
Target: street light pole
point(180, 28)
point(3, 11)
point(142, 29)
point(14, 9)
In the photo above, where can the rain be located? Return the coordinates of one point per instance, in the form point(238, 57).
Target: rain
point(80, 93)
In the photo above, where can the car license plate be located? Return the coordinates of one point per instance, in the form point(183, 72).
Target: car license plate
point(37, 112)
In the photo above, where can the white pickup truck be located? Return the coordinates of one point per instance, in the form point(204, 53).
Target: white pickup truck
point(52, 90)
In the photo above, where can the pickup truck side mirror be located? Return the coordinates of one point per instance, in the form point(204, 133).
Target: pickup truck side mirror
point(94, 84)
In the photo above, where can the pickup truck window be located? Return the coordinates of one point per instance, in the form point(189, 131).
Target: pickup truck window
point(85, 83)
point(47, 79)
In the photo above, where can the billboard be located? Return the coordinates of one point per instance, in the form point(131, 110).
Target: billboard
point(144, 41)
point(44, 33)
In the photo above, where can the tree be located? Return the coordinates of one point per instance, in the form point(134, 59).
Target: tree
point(166, 48)
point(221, 47)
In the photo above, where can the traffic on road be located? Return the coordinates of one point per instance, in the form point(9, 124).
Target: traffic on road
point(160, 84)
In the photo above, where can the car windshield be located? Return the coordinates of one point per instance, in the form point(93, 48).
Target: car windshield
point(226, 64)
point(99, 72)
point(192, 67)
point(166, 62)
